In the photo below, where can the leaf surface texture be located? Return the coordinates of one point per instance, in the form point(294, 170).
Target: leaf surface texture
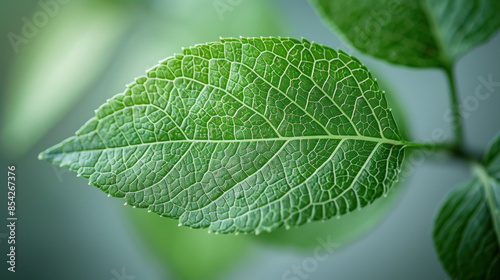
point(243, 135)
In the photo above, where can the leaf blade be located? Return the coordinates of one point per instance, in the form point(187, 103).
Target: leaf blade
point(428, 33)
point(464, 234)
point(492, 158)
point(238, 135)
point(467, 228)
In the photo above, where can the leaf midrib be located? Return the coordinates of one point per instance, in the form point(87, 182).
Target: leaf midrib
point(320, 137)
point(486, 180)
point(436, 34)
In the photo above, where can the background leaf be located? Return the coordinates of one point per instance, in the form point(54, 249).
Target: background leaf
point(243, 135)
point(464, 234)
point(412, 32)
point(188, 254)
point(467, 228)
point(492, 158)
point(464, 24)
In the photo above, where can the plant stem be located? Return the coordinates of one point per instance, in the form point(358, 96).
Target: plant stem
point(457, 121)
point(430, 146)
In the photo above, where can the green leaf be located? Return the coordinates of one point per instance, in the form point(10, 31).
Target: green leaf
point(467, 228)
point(357, 223)
point(421, 33)
point(341, 231)
point(188, 254)
point(492, 158)
point(465, 235)
point(243, 135)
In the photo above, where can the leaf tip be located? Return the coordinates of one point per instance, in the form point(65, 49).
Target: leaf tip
point(41, 156)
point(51, 154)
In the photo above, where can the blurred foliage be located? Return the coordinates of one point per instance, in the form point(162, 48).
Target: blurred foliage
point(186, 253)
point(59, 63)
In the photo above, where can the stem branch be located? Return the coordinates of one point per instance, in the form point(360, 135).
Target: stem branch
point(457, 121)
point(429, 146)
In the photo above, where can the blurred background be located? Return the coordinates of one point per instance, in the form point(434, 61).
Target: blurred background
point(61, 59)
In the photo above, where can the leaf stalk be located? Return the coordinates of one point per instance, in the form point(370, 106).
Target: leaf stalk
point(457, 148)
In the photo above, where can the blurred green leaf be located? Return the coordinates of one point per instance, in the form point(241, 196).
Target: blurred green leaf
point(185, 253)
point(492, 158)
point(467, 227)
point(55, 67)
point(412, 32)
point(465, 234)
